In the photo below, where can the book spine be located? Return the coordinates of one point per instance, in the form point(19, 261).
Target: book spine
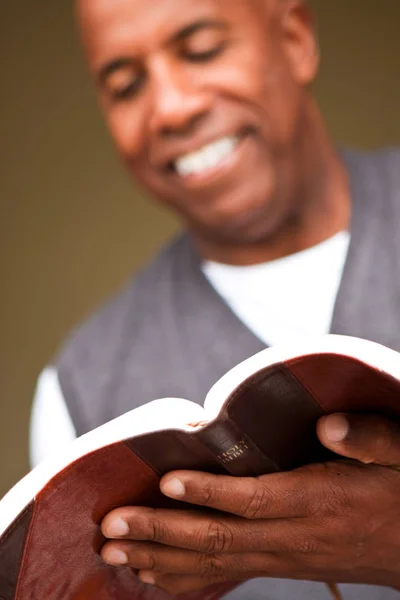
point(235, 451)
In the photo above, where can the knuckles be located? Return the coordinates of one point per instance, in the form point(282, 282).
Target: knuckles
point(143, 559)
point(384, 445)
point(218, 538)
point(207, 494)
point(156, 530)
point(212, 566)
point(307, 546)
point(257, 505)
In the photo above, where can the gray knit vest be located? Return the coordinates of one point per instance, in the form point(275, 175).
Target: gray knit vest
point(170, 334)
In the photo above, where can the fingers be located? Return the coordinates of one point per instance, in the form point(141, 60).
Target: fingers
point(205, 533)
point(217, 586)
point(366, 438)
point(269, 497)
point(162, 559)
point(180, 571)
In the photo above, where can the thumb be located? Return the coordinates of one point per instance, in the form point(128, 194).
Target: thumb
point(363, 437)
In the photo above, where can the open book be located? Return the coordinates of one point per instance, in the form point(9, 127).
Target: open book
point(259, 418)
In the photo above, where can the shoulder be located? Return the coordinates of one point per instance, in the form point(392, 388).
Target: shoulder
point(388, 161)
point(382, 164)
point(124, 344)
point(375, 178)
point(138, 303)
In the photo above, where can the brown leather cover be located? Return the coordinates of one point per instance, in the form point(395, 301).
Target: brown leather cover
point(60, 560)
point(11, 551)
point(51, 552)
point(267, 424)
point(340, 383)
point(280, 416)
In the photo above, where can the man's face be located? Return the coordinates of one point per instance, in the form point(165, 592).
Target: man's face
point(204, 100)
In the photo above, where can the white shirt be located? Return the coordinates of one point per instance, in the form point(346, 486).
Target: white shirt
point(286, 300)
point(290, 299)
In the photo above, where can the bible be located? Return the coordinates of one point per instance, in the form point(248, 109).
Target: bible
point(259, 418)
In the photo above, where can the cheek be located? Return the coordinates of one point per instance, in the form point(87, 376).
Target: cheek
point(126, 130)
point(127, 127)
point(265, 88)
point(242, 79)
point(281, 98)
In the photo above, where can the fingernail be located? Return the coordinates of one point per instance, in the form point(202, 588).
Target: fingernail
point(147, 577)
point(116, 557)
point(173, 488)
point(116, 528)
point(336, 428)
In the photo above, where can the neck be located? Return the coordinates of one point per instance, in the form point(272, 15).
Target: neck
point(322, 201)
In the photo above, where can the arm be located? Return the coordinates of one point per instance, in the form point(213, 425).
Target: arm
point(51, 427)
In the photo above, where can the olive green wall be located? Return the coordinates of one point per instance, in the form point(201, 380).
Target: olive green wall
point(72, 229)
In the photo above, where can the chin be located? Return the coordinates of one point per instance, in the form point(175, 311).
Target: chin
point(247, 227)
point(248, 221)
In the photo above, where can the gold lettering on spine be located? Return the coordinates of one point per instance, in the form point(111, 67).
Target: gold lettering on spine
point(233, 453)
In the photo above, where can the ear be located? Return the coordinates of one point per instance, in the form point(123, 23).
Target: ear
point(300, 40)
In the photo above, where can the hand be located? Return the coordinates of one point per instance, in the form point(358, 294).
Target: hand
point(333, 522)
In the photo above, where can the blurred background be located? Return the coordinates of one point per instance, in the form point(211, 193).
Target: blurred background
point(72, 228)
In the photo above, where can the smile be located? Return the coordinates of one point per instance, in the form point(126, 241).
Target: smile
point(206, 158)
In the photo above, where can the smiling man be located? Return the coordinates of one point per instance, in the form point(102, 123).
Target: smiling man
point(209, 106)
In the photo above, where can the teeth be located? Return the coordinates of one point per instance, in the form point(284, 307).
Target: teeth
point(207, 157)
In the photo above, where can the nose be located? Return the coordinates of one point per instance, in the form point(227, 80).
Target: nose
point(178, 102)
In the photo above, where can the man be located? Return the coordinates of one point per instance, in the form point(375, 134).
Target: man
point(209, 106)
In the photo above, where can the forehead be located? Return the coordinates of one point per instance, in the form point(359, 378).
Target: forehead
point(110, 26)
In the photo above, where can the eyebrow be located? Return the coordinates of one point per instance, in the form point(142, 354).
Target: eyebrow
point(124, 61)
point(197, 26)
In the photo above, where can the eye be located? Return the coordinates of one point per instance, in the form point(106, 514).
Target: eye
point(124, 83)
point(206, 55)
point(204, 45)
point(127, 91)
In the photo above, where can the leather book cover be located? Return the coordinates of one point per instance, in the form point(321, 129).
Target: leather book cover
point(267, 423)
